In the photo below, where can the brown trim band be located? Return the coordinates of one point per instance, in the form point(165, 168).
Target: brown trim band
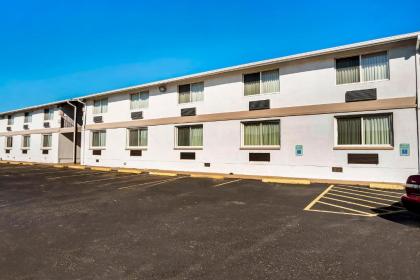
point(382, 104)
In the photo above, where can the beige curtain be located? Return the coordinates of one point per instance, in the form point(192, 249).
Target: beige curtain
point(183, 136)
point(378, 130)
point(252, 84)
point(137, 137)
point(349, 131)
point(262, 133)
point(196, 136)
point(184, 92)
point(197, 92)
point(375, 66)
point(270, 133)
point(348, 70)
point(46, 141)
point(98, 139)
point(9, 142)
point(26, 141)
point(270, 81)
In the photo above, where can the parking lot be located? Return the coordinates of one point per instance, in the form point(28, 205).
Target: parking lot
point(84, 224)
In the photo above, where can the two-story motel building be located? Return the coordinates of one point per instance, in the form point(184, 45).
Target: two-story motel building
point(344, 113)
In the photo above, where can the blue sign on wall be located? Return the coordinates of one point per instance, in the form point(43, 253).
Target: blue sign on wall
point(404, 150)
point(299, 150)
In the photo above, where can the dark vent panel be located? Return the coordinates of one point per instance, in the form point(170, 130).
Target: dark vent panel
point(45, 152)
point(137, 115)
point(363, 158)
point(337, 169)
point(96, 152)
point(9, 128)
point(97, 119)
point(259, 105)
point(24, 151)
point(259, 156)
point(7, 151)
point(25, 126)
point(361, 95)
point(185, 155)
point(188, 112)
point(135, 153)
point(46, 124)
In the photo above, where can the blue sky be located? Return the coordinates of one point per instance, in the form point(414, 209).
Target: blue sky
point(52, 50)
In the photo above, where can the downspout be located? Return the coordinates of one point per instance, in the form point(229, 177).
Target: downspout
point(416, 68)
point(82, 148)
point(75, 131)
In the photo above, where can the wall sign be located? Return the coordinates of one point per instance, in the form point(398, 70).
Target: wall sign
point(404, 150)
point(299, 150)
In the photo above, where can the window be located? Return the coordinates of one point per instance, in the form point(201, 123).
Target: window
point(262, 82)
point(28, 117)
point(9, 142)
point(189, 136)
point(139, 100)
point(26, 142)
point(137, 138)
point(100, 106)
point(369, 130)
point(48, 114)
point(190, 93)
point(368, 67)
point(261, 134)
point(46, 141)
point(10, 120)
point(98, 139)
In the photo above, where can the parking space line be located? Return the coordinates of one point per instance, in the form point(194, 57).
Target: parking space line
point(318, 197)
point(75, 175)
point(105, 179)
point(336, 212)
point(373, 190)
point(378, 198)
point(346, 208)
point(348, 202)
point(225, 183)
point(367, 192)
point(360, 199)
point(153, 183)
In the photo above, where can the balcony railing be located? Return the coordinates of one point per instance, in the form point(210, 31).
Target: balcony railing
point(66, 121)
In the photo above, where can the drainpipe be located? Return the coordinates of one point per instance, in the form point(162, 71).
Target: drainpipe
point(74, 132)
point(416, 67)
point(83, 131)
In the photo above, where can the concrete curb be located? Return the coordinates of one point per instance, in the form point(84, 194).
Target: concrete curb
point(385, 186)
point(76, 167)
point(132, 171)
point(217, 177)
point(104, 169)
point(58, 166)
point(163, 174)
point(286, 181)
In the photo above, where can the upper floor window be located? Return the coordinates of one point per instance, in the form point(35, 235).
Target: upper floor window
point(262, 82)
point(139, 100)
point(48, 114)
point(98, 139)
point(10, 120)
point(191, 92)
point(365, 130)
point(261, 134)
point(46, 141)
point(9, 142)
point(28, 117)
point(189, 136)
point(100, 106)
point(26, 141)
point(368, 67)
point(137, 138)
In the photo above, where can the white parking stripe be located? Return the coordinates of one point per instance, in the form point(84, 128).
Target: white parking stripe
point(225, 183)
point(75, 175)
point(153, 183)
point(373, 190)
point(367, 192)
point(369, 196)
point(105, 179)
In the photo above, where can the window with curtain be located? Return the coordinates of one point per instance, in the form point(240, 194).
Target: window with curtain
point(28, 117)
point(139, 100)
point(48, 114)
point(262, 82)
point(46, 141)
point(365, 130)
point(375, 66)
point(98, 139)
point(10, 120)
point(189, 136)
point(261, 133)
point(367, 67)
point(9, 142)
point(191, 92)
point(137, 137)
point(26, 141)
point(100, 106)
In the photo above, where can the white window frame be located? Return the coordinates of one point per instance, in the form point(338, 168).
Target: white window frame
point(128, 147)
point(5, 143)
point(190, 100)
point(140, 107)
point(42, 142)
point(362, 127)
point(187, 147)
point(91, 147)
point(29, 120)
point(102, 110)
point(361, 76)
point(23, 141)
point(260, 72)
point(260, 147)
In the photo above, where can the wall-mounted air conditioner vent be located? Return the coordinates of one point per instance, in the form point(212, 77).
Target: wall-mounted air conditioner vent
point(9, 128)
point(188, 112)
point(25, 126)
point(98, 119)
point(361, 95)
point(259, 105)
point(46, 124)
point(136, 115)
point(362, 158)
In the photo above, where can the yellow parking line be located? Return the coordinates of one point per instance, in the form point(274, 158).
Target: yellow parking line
point(345, 208)
point(225, 183)
point(318, 198)
point(162, 174)
point(360, 199)
point(373, 190)
point(336, 212)
point(104, 179)
point(152, 183)
point(349, 202)
point(76, 167)
point(367, 192)
point(104, 169)
point(374, 197)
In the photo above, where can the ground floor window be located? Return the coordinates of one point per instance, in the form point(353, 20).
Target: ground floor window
point(9, 142)
point(26, 141)
point(98, 139)
point(365, 130)
point(261, 134)
point(189, 136)
point(137, 138)
point(46, 141)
